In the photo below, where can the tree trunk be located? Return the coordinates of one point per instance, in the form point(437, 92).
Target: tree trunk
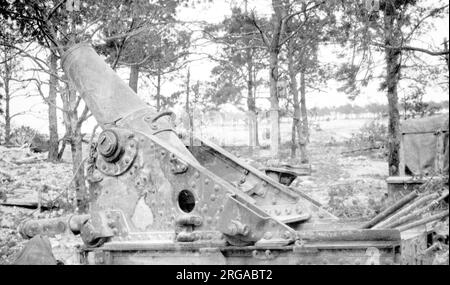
point(447, 60)
point(392, 57)
point(158, 92)
point(134, 77)
point(52, 118)
point(274, 106)
point(256, 112)
point(293, 139)
point(78, 170)
point(274, 50)
point(73, 133)
point(304, 128)
point(6, 80)
point(190, 119)
point(251, 104)
point(294, 91)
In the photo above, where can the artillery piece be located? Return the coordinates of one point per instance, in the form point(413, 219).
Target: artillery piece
point(157, 200)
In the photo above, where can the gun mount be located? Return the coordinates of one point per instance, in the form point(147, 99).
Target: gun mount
point(156, 200)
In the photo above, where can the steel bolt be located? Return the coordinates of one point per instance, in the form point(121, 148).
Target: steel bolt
point(107, 143)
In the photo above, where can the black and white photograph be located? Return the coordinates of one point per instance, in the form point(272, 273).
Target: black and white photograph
point(245, 136)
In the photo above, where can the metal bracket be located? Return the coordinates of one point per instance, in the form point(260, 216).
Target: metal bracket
point(178, 165)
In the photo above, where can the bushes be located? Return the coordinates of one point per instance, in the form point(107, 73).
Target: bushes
point(345, 201)
point(25, 135)
point(373, 135)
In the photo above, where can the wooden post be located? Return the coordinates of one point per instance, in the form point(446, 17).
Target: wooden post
point(402, 164)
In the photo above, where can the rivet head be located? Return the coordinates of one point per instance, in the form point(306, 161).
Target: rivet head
point(216, 188)
point(268, 236)
point(207, 181)
point(213, 198)
point(286, 235)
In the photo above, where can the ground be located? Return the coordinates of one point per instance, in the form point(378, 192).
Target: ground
point(349, 186)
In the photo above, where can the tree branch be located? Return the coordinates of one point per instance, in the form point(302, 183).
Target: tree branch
point(410, 48)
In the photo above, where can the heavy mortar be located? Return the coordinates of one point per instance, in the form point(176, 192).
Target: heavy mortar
point(154, 200)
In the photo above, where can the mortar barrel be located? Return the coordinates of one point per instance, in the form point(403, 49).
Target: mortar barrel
point(107, 96)
point(111, 101)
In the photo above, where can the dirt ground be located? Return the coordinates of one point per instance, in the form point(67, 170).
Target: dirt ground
point(349, 186)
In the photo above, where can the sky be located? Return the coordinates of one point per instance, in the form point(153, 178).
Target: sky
point(200, 70)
